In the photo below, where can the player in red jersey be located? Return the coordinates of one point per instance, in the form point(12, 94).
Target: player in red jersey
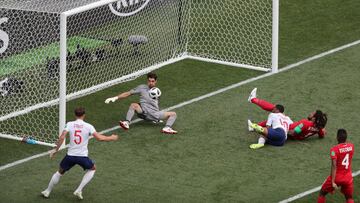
point(341, 175)
point(299, 130)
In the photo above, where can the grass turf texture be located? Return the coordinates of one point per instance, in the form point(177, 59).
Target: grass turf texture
point(207, 163)
point(209, 160)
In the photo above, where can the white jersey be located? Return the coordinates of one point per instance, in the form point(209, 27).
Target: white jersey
point(79, 131)
point(279, 120)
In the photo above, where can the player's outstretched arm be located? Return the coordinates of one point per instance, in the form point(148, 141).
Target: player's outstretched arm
point(101, 137)
point(58, 143)
point(120, 96)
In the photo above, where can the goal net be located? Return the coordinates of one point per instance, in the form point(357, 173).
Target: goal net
point(55, 51)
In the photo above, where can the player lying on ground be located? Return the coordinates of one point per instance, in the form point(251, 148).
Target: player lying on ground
point(275, 132)
point(341, 175)
point(299, 130)
point(77, 153)
point(147, 108)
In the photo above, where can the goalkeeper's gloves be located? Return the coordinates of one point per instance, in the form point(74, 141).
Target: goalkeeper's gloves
point(111, 99)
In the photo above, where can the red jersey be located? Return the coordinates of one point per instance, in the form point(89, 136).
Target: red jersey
point(307, 129)
point(343, 154)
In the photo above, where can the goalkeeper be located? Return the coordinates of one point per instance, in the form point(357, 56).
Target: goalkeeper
point(147, 108)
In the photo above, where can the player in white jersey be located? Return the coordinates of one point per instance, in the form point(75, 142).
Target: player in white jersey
point(277, 127)
point(80, 133)
point(147, 108)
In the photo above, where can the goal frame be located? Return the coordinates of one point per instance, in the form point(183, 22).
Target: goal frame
point(63, 97)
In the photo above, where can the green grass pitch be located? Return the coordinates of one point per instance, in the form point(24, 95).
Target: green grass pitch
point(209, 160)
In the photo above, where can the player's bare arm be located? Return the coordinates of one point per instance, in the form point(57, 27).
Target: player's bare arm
point(101, 137)
point(58, 143)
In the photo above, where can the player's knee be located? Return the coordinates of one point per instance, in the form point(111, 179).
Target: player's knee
point(134, 106)
point(61, 171)
point(322, 193)
point(348, 196)
point(172, 113)
point(93, 168)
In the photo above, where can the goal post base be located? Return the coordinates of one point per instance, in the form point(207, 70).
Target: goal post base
point(21, 139)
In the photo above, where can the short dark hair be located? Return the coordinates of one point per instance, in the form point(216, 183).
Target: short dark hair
point(280, 108)
point(79, 111)
point(320, 119)
point(341, 135)
point(152, 75)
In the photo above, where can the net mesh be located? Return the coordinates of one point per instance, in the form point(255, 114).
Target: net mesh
point(232, 31)
point(28, 39)
point(110, 42)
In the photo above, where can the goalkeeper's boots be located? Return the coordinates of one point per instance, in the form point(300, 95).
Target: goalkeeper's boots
point(78, 194)
point(168, 130)
point(45, 193)
point(252, 95)
point(124, 125)
point(256, 146)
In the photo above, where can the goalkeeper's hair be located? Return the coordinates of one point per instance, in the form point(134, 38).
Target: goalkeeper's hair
point(341, 135)
point(79, 111)
point(152, 75)
point(320, 119)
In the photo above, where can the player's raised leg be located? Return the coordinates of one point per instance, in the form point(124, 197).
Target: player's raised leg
point(171, 117)
point(130, 114)
point(267, 106)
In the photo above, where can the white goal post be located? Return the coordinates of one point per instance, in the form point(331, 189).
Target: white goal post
point(117, 41)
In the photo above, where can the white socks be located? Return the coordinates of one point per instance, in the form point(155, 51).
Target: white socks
point(86, 179)
point(261, 140)
point(54, 180)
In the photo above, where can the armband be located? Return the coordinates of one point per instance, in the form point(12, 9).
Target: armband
point(297, 130)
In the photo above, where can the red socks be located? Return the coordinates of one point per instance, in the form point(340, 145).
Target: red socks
point(350, 201)
point(321, 199)
point(262, 123)
point(267, 106)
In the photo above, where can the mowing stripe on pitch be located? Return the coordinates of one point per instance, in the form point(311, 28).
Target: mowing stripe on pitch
point(207, 96)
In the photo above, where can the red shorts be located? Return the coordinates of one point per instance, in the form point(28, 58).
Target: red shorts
point(346, 184)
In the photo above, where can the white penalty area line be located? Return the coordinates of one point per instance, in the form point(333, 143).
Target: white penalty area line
point(317, 189)
point(205, 96)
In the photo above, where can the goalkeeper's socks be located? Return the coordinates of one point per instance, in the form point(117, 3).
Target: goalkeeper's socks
point(257, 128)
point(130, 114)
point(171, 120)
